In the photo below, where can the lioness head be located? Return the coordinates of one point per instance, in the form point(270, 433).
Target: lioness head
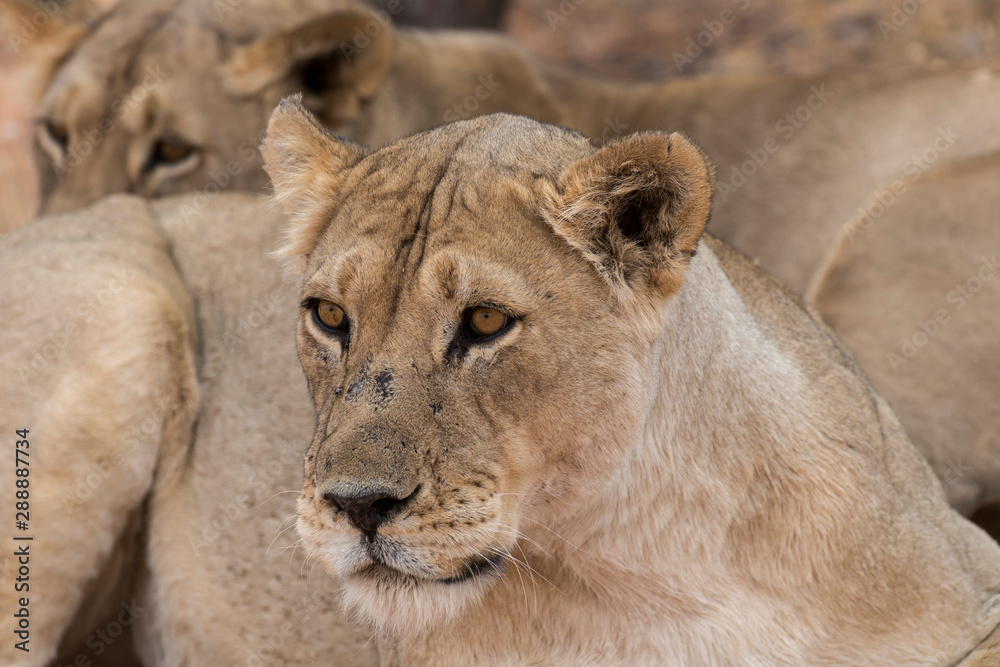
point(168, 96)
point(476, 329)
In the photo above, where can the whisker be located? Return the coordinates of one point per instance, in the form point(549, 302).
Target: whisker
point(368, 641)
point(517, 568)
point(484, 557)
point(309, 576)
point(531, 577)
point(289, 517)
point(264, 502)
point(303, 567)
point(291, 556)
point(597, 561)
point(539, 523)
point(280, 533)
point(293, 545)
point(518, 536)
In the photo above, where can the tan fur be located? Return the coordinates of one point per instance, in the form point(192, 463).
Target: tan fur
point(665, 459)
point(926, 332)
point(117, 428)
point(100, 369)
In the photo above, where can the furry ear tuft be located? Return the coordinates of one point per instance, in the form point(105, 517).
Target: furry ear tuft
point(636, 210)
point(306, 164)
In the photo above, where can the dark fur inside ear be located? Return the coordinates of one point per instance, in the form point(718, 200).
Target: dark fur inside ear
point(306, 164)
point(636, 209)
point(338, 60)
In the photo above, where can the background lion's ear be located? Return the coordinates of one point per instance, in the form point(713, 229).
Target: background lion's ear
point(45, 33)
point(636, 209)
point(306, 164)
point(336, 61)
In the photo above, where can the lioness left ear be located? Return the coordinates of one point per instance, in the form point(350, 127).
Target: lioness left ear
point(636, 209)
point(306, 163)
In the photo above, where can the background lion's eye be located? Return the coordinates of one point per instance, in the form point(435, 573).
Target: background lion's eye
point(170, 149)
point(53, 138)
point(57, 132)
point(486, 322)
point(330, 316)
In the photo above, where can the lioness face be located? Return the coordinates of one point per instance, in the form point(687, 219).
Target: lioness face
point(475, 376)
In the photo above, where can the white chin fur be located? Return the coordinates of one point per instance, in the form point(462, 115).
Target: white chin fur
point(392, 603)
point(402, 606)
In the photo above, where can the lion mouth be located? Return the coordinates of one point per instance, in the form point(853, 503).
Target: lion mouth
point(491, 566)
point(380, 570)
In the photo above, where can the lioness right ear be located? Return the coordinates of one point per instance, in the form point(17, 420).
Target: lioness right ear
point(337, 60)
point(636, 209)
point(306, 164)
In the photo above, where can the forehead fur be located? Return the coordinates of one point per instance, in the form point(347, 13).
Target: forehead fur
point(477, 164)
point(500, 143)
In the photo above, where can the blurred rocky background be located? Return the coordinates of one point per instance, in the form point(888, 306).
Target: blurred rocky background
point(651, 39)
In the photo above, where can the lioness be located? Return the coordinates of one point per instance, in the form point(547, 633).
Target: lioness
point(558, 425)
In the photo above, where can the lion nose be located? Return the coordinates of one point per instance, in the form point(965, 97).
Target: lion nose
point(368, 509)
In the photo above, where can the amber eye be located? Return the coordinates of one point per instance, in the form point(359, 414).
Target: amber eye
point(485, 322)
point(330, 317)
point(170, 149)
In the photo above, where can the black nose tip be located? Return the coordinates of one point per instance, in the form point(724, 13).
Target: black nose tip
point(368, 510)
